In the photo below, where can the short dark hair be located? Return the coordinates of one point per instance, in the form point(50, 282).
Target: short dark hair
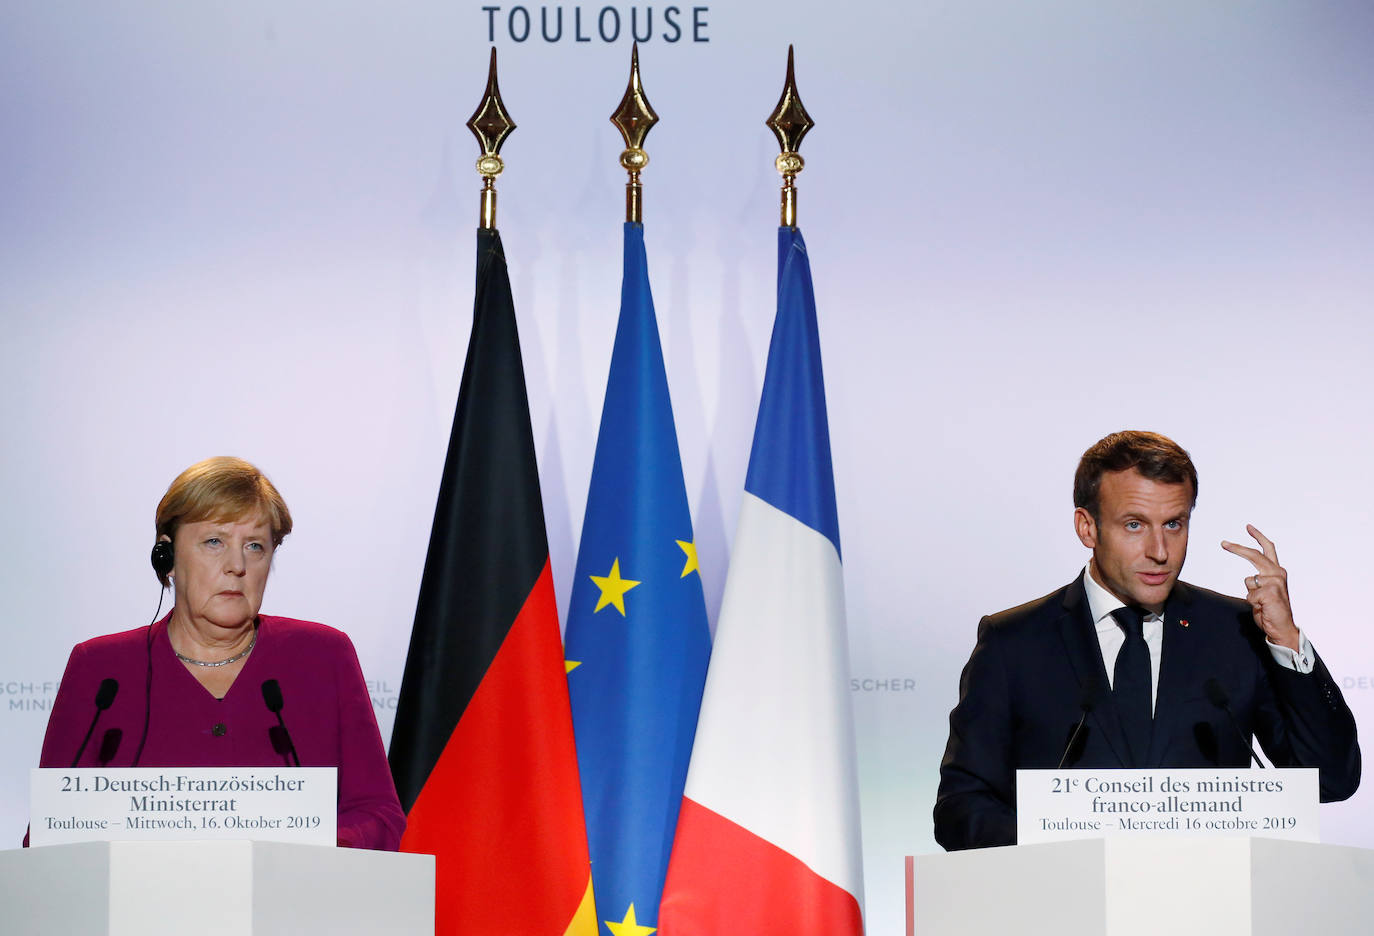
point(1156, 457)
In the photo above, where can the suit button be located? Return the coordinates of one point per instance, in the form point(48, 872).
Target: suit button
point(219, 730)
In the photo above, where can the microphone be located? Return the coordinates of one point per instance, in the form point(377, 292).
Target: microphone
point(281, 738)
point(1087, 701)
point(109, 746)
point(1218, 697)
point(104, 698)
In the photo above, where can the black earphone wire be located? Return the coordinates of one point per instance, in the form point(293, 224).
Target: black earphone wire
point(148, 686)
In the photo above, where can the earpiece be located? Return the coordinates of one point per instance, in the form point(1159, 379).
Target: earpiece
point(162, 558)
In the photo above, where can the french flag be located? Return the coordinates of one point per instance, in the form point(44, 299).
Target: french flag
point(768, 838)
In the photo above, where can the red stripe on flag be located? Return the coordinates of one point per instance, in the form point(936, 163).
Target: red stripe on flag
point(910, 895)
point(502, 809)
point(725, 879)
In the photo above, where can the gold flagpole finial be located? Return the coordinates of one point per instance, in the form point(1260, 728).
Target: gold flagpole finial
point(634, 118)
point(491, 125)
point(789, 123)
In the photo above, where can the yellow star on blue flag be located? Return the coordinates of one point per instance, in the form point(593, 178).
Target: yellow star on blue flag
point(690, 551)
point(613, 588)
point(628, 926)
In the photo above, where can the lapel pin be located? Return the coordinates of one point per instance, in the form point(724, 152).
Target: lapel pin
point(1182, 622)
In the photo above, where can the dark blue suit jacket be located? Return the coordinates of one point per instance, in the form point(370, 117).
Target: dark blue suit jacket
point(1037, 667)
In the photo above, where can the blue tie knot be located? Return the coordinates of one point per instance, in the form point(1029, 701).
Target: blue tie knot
point(1131, 620)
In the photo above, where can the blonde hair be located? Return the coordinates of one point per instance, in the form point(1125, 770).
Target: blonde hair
point(221, 488)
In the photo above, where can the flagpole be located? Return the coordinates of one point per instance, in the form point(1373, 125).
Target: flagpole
point(789, 123)
point(634, 118)
point(491, 124)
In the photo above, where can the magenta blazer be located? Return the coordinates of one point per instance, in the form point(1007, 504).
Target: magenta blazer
point(326, 708)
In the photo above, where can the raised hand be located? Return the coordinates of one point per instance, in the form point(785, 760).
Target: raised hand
point(1267, 589)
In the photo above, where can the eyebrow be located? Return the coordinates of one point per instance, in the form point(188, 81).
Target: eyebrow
point(263, 531)
point(1133, 515)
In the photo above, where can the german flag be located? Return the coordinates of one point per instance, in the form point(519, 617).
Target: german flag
point(482, 751)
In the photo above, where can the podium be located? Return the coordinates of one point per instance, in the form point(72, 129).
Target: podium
point(1138, 886)
point(224, 888)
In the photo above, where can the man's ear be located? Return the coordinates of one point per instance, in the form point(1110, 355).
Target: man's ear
point(1085, 526)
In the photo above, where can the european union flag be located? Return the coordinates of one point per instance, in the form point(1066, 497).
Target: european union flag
point(637, 640)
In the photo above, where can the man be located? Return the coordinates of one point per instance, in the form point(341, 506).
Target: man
point(1159, 672)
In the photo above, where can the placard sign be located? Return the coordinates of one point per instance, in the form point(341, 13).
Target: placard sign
point(279, 804)
point(1054, 805)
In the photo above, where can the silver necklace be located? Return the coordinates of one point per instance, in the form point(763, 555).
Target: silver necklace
point(233, 659)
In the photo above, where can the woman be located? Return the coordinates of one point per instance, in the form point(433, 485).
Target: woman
point(190, 688)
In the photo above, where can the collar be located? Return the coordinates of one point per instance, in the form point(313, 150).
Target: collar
point(1101, 603)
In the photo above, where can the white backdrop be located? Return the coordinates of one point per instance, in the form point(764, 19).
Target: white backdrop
point(247, 227)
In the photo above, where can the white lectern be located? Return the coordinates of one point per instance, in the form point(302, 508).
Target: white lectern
point(1139, 886)
point(229, 888)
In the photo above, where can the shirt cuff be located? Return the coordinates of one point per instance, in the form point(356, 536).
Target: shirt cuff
point(1301, 661)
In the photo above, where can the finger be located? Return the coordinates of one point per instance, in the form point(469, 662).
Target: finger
point(1273, 584)
point(1256, 558)
point(1265, 542)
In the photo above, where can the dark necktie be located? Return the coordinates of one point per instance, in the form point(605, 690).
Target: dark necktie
point(1131, 685)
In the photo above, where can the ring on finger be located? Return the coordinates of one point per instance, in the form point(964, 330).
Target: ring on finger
point(1255, 580)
